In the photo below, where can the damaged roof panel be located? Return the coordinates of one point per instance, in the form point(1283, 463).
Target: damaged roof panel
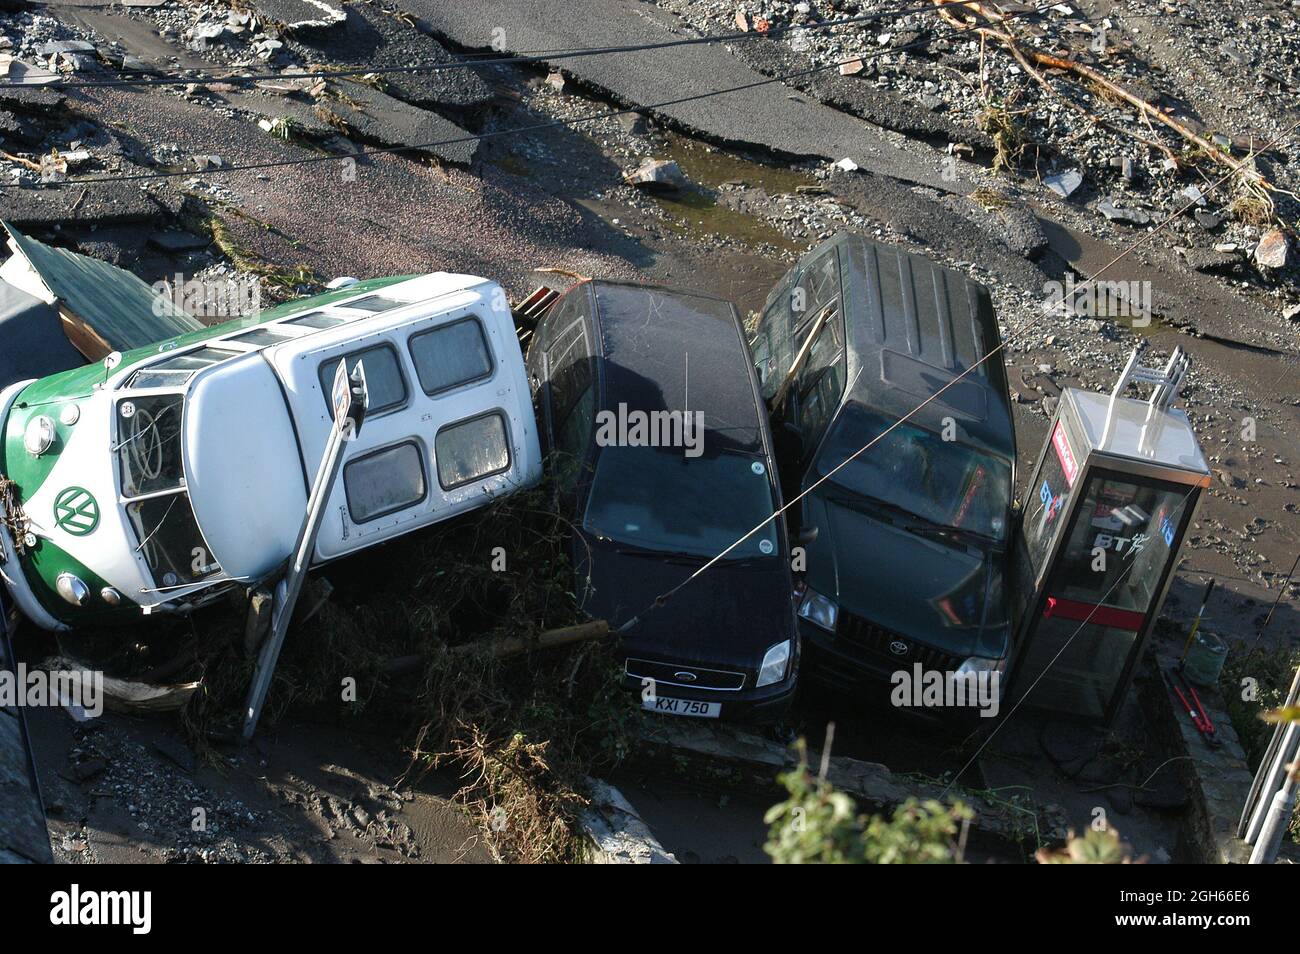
point(105, 308)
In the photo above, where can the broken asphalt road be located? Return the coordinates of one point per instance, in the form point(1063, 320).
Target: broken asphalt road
point(774, 116)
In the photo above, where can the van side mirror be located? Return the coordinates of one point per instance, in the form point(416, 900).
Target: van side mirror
point(804, 537)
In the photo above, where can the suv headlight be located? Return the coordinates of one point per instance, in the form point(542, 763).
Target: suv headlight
point(819, 609)
point(775, 662)
point(978, 664)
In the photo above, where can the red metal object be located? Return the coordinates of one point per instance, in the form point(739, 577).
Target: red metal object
point(1094, 613)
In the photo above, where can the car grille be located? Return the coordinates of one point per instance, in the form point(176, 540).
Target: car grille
point(670, 675)
point(860, 635)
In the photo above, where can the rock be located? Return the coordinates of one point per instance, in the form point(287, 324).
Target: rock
point(851, 67)
point(172, 240)
point(633, 123)
point(300, 14)
point(1273, 250)
point(555, 80)
point(662, 175)
point(1195, 195)
point(65, 46)
point(847, 165)
point(1108, 208)
point(1064, 184)
point(204, 163)
point(1121, 800)
point(1165, 792)
point(1070, 746)
point(1291, 313)
point(1211, 260)
point(1207, 220)
point(208, 31)
point(85, 771)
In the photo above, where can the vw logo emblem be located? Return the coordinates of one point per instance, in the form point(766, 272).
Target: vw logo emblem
point(684, 676)
point(898, 647)
point(76, 512)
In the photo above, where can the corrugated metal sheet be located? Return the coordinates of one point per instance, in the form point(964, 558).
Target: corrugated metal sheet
point(118, 310)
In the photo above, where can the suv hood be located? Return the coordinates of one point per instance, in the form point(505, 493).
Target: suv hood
point(943, 595)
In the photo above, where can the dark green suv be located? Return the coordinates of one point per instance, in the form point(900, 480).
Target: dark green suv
point(908, 561)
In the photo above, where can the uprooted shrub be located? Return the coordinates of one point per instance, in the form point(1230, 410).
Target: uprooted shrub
point(397, 644)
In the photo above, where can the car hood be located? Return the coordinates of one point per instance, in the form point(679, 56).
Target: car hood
point(948, 597)
point(729, 616)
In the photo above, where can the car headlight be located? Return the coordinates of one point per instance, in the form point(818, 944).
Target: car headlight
point(978, 664)
point(775, 662)
point(39, 435)
point(819, 609)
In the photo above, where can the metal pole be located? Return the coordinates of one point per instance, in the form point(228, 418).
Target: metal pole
point(1263, 772)
point(1273, 781)
point(1277, 818)
point(288, 590)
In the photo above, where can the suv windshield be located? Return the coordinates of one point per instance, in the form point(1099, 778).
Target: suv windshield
point(942, 482)
point(664, 501)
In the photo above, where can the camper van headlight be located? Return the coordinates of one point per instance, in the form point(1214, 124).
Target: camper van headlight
point(775, 662)
point(39, 435)
point(71, 588)
point(819, 609)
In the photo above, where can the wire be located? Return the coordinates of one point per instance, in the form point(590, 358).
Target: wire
point(1046, 312)
point(1064, 646)
point(480, 137)
point(514, 59)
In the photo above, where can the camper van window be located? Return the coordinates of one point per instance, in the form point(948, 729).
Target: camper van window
point(176, 370)
point(373, 303)
point(170, 540)
point(148, 443)
point(384, 481)
point(471, 450)
point(262, 336)
point(317, 319)
point(451, 355)
point(384, 378)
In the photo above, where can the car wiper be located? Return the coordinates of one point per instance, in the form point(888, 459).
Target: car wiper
point(865, 503)
point(960, 533)
point(667, 556)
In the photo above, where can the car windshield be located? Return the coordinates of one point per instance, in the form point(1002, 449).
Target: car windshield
point(662, 500)
point(170, 540)
point(148, 443)
point(942, 482)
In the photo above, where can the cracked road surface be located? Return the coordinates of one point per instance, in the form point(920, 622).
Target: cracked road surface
point(773, 116)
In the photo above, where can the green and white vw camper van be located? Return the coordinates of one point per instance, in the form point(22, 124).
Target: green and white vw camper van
point(158, 478)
